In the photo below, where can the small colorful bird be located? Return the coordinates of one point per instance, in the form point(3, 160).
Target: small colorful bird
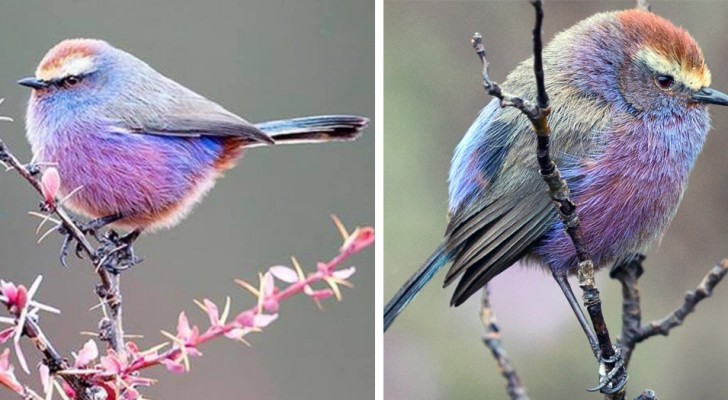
point(141, 148)
point(629, 94)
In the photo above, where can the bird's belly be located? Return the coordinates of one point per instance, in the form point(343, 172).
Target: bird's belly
point(621, 210)
point(152, 181)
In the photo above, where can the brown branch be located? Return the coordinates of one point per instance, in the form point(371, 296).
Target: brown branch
point(492, 339)
point(54, 360)
point(628, 273)
point(51, 357)
point(612, 381)
point(108, 290)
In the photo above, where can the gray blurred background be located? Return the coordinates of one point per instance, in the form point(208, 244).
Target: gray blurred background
point(432, 93)
point(264, 60)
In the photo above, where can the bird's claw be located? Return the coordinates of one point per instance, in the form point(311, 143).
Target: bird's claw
point(117, 253)
point(613, 381)
point(66, 244)
point(90, 228)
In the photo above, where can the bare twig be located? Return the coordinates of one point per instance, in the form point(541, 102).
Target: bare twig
point(633, 332)
point(628, 271)
point(612, 381)
point(492, 339)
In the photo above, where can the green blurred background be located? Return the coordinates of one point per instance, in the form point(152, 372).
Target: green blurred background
point(264, 60)
point(432, 93)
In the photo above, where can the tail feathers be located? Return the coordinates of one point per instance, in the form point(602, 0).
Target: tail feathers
point(319, 129)
point(413, 286)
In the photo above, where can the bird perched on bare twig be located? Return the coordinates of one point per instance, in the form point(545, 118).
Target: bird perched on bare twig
point(629, 93)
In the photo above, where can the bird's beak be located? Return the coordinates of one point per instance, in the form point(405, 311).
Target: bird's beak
point(33, 82)
point(711, 96)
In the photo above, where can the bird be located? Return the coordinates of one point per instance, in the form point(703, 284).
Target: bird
point(135, 149)
point(629, 97)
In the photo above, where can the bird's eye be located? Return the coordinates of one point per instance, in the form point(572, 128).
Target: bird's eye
point(664, 82)
point(71, 80)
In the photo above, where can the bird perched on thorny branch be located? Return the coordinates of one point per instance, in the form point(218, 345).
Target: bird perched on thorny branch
point(629, 94)
point(141, 148)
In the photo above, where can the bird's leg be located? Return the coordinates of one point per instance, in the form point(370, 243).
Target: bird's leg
point(616, 378)
point(117, 252)
point(92, 227)
point(563, 282)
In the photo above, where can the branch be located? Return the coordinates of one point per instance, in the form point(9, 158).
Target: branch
point(628, 272)
point(612, 381)
point(109, 289)
point(492, 339)
point(117, 375)
point(20, 304)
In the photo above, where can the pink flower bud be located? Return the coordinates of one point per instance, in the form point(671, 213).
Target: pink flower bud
point(50, 182)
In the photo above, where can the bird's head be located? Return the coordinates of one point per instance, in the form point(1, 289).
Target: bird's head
point(75, 74)
point(664, 67)
point(638, 60)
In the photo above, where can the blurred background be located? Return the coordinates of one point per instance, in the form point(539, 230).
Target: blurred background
point(264, 60)
point(433, 91)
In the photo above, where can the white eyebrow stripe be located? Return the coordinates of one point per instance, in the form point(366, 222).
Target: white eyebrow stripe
point(74, 65)
point(692, 78)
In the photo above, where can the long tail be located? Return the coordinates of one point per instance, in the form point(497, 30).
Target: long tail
point(409, 290)
point(319, 129)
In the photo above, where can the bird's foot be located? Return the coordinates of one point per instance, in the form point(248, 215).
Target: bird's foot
point(614, 380)
point(116, 253)
point(90, 228)
point(68, 239)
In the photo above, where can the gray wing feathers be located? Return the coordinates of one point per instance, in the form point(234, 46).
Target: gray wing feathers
point(166, 108)
point(499, 245)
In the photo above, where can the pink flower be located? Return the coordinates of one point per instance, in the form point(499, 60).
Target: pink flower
point(360, 239)
point(16, 297)
point(251, 320)
point(187, 335)
point(318, 295)
point(7, 376)
point(50, 182)
point(88, 353)
point(112, 363)
point(6, 334)
point(284, 274)
point(174, 366)
point(344, 274)
point(268, 299)
point(213, 313)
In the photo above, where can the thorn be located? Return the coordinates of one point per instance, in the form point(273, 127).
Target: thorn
point(250, 288)
point(340, 226)
point(48, 232)
point(299, 270)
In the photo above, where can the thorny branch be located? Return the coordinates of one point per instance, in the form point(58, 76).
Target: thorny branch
point(492, 339)
point(20, 304)
point(116, 376)
point(109, 289)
